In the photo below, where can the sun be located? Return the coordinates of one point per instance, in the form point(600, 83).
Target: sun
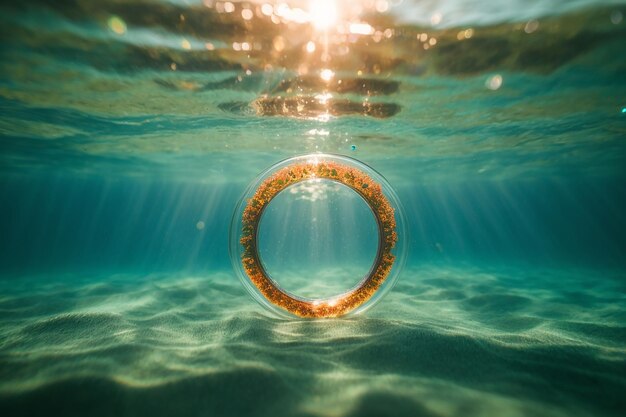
point(324, 13)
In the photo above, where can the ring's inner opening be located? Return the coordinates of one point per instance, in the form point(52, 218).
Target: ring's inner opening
point(317, 239)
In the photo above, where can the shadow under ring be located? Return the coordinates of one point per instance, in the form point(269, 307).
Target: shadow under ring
point(359, 182)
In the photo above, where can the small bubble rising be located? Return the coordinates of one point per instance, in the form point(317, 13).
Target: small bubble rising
point(200, 225)
point(382, 6)
point(531, 26)
point(436, 18)
point(117, 25)
point(267, 9)
point(247, 14)
point(494, 82)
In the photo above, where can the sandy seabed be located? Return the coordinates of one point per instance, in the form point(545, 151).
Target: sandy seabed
point(448, 340)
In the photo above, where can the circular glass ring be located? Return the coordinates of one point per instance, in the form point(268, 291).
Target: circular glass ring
point(369, 185)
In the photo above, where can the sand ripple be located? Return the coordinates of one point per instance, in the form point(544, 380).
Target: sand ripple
point(447, 341)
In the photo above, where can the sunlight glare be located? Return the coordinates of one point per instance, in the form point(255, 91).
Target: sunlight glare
point(327, 74)
point(323, 13)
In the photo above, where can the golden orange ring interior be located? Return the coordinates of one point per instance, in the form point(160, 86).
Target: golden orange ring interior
point(358, 181)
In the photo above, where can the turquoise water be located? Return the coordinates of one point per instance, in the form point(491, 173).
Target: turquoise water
point(129, 131)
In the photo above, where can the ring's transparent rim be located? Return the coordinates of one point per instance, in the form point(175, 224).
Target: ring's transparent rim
point(399, 251)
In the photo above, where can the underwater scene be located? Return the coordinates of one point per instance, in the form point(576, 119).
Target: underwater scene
point(132, 132)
